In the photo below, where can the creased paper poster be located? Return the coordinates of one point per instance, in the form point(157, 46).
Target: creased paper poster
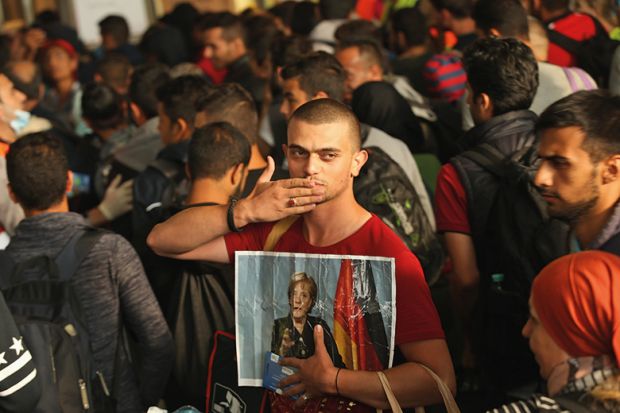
point(280, 297)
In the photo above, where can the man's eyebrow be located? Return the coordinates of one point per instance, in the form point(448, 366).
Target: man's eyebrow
point(295, 146)
point(554, 158)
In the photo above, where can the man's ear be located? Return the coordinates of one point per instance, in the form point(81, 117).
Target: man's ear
point(359, 159)
point(375, 72)
point(69, 182)
point(137, 114)
point(611, 169)
point(285, 149)
point(320, 95)
point(484, 102)
point(493, 32)
point(237, 174)
point(181, 129)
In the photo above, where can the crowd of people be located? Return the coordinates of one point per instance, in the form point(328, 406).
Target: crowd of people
point(130, 174)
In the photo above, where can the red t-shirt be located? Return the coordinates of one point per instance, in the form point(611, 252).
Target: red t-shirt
point(577, 26)
point(451, 202)
point(417, 317)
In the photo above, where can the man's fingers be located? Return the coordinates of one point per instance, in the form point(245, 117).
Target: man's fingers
point(297, 192)
point(293, 390)
point(298, 183)
point(116, 181)
point(127, 184)
point(319, 344)
point(268, 172)
point(307, 200)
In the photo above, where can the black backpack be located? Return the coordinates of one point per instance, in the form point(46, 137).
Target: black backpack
point(523, 239)
point(202, 303)
point(383, 188)
point(594, 55)
point(178, 184)
point(39, 294)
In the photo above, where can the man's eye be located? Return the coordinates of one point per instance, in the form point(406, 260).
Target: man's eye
point(328, 156)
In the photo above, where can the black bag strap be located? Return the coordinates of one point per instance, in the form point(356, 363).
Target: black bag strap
point(571, 405)
point(570, 45)
point(487, 157)
point(60, 268)
point(74, 252)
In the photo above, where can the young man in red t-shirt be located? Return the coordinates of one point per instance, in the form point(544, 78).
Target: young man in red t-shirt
point(324, 156)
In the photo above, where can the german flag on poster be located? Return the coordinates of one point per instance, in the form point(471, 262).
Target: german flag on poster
point(359, 331)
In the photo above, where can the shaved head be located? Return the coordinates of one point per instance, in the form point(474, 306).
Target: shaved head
point(322, 111)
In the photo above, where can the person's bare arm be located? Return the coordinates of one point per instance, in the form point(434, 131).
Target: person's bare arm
point(196, 233)
point(466, 277)
point(411, 384)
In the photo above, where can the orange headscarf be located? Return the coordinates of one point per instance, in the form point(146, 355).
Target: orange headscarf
point(577, 298)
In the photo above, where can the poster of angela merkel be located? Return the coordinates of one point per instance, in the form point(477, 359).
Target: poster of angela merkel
point(280, 297)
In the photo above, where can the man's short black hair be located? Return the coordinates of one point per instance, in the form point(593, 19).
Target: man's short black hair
point(231, 25)
point(115, 26)
point(336, 9)
point(288, 49)
point(595, 112)
point(179, 97)
point(322, 111)
point(114, 69)
point(504, 69)
point(102, 107)
point(215, 148)
point(317, 72)
point(554, 5)
point(371, 52)
point(37, 167)
point(411, 22)
point(145, 80)
point(358, 29)
point(458, 8)
point(231, 103)
point(509, 17)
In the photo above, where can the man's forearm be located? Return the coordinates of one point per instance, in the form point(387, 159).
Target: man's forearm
point(193, 227)
point(412, 386)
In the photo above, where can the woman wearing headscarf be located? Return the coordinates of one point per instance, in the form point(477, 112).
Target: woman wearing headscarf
point(574, 333)
point(378, 104)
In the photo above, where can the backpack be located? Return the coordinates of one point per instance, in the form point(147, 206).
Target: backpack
point(203, 304)
point(178, 184)
point(523, 239)
point(382, 187)
point(594, 55)
point(41, 298)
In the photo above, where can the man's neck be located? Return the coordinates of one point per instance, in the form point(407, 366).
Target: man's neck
point(208, 190)
point(589, 226)
point(462, 27)
point(62, 206)
point(257, 161)
point(334, 221)
point(64, 87)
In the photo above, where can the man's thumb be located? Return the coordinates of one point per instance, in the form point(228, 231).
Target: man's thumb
point(319, 344)
point(268, 172)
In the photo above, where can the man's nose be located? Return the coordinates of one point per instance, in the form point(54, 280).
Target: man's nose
point(312, 164)
point(543, 177)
